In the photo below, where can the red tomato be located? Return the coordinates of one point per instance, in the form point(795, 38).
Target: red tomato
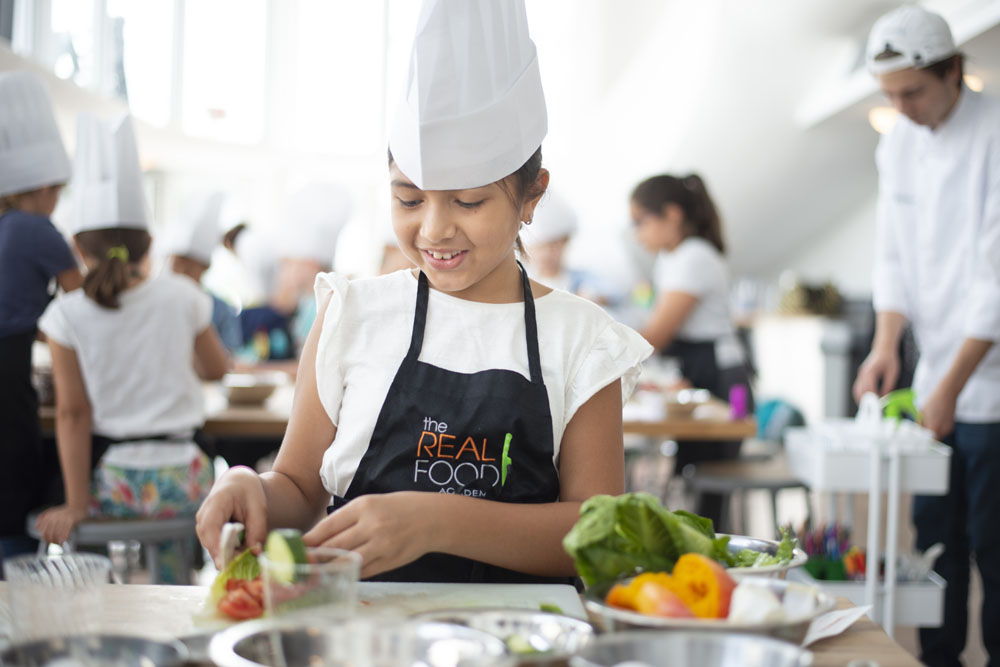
point(233, 584)
point(256, 590)
point(239, 604)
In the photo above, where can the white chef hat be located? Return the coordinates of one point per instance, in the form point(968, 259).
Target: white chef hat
point(554, 219)
point(196, 232)
point(107, 187)
point(314, 217)
point(921, 38)
point(472, 110)
point(32, 154)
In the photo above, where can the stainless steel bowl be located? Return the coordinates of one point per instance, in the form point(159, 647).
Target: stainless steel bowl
point(534, 637)
point(739, 542)
point(793, 629)
point(362, 641)
point(104, 650)
point(690, 649)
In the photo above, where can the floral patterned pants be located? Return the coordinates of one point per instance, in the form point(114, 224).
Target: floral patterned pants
point(154, 492)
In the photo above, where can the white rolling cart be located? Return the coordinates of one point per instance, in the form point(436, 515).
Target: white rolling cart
point(871, 455)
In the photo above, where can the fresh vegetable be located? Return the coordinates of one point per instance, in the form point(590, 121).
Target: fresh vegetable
point(285, 550)
point(242, 568)
point(703, 585)
point(550, 607)
point(751, 558)
point(244, 600)
point(649, 593)
point(619, 536)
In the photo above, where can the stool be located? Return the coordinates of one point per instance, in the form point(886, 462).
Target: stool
point(738, 476)
point(149, 532)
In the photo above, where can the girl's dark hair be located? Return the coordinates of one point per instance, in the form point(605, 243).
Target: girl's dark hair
point(524, 181)
point(700, 215)
point(118, 252)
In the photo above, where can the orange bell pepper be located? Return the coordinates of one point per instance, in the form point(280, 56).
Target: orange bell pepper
point(703, 585)
point(649, 593)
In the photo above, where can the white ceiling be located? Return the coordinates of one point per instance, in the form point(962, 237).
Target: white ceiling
point(637, 87)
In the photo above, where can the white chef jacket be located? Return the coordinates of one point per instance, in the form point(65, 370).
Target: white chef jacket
point(937, 256)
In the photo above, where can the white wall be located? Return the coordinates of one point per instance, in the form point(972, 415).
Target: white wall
point(843, 254)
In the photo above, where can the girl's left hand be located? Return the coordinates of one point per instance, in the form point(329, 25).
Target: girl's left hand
point(56, 523)
point(389, 530)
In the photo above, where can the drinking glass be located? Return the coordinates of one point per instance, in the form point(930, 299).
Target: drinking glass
point(323, 588)
point(55, 596)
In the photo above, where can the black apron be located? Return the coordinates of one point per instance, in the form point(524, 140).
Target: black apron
point(22, 471)
point(485, 435)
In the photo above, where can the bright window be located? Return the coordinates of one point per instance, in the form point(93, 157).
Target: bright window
point(147, 41)
point(224, 69)
point(338, 75)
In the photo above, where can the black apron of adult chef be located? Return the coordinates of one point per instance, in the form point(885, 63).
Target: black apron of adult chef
point(440, 431)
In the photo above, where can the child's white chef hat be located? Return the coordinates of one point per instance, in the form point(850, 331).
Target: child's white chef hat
point(32, 155)
point(473, 110)
point(107, 182)
point(197, 231)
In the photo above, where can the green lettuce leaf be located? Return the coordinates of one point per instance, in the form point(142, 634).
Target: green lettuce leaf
point(244, 566)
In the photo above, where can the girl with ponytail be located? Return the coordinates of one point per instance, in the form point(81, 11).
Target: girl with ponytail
point(128, 353)
point(676, 218)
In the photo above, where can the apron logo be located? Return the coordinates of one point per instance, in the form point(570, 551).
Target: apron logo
point(452, 467)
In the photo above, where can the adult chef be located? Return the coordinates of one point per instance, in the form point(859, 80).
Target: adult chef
point(936, 266)
point(33, 169)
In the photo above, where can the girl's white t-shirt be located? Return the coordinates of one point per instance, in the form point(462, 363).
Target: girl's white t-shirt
point(366, 333)
point(697, 268)
point(137, 361)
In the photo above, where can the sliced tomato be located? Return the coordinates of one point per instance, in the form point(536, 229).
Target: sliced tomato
point(255, 588)
point(239, 604)
point(233, 584)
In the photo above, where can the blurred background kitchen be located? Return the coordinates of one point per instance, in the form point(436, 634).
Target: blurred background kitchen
point(770, 102)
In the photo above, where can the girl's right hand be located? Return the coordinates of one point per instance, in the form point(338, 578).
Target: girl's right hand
point(236, 496)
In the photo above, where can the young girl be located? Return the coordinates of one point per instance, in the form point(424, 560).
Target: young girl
point(33, 169)
point(459, 413)
point(127, 351)
point(676, 218)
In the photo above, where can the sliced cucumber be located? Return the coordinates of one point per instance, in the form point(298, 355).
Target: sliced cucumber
point(284, 550)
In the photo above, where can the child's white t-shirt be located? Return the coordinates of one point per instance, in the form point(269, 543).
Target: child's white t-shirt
point(137, 361)
point(697, 268)
point(366, 333)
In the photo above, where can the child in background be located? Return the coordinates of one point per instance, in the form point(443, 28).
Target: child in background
point(189, 242)
point(127, 352)
point(33, 169)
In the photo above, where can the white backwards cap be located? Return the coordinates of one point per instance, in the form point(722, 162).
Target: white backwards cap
point(107, 187)
point(554, 219)
point(921, 38)
point(314, 217)
point(32, 154)
point(197, 232)
point(473, 110)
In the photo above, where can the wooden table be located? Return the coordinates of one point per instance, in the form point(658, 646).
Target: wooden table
point(162, 611)
point(271, 419)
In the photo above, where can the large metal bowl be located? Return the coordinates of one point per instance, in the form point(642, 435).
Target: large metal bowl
point(739, 542)
point(793, 630)
point(104, 650)
point(363, 642)
point(690, 649)
point(534, 637)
